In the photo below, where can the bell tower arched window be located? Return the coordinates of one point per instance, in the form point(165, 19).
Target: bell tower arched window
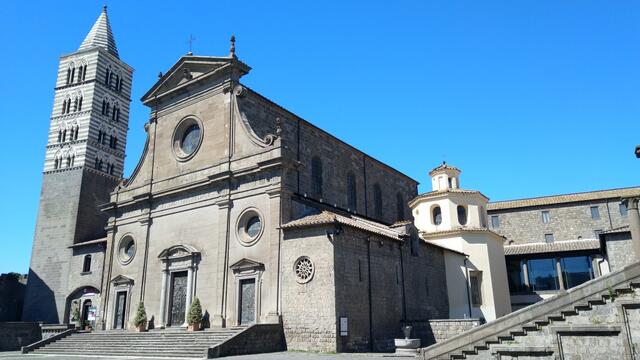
point(462, 215)
point(86, 265)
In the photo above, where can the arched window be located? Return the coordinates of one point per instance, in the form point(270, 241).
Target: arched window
point(71, 133)
point(73, 160)
point(99, 136)
point(80, 104)
point(68, 76)
point(106, 110)
point(84, 72)
point(462, 215)
point(112, 169)
point(59, 135)
point(100, 165)
point(104, 107)
point(68, 161)
point(55, 164)
point(115, 142)
point(107, 77)
point(316, 176)
point(377, 201)
point(97, 164)
point(64, 135)
point(400, 206)
point(352, 199)
point(73, 75)
point(436, 215)
point(75, 134)
point(86, 265)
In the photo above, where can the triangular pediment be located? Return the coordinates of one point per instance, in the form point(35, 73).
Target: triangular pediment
point(245, 264)
point(192, 69)
point(121, 280)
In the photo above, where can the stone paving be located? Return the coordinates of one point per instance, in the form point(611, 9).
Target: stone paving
point(272, 356)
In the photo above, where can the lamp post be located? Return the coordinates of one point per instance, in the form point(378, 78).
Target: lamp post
point(634, 217)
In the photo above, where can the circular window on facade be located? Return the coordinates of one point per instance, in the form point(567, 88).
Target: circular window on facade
point(250, 227)
point(187, 138)
point(304, 270)
point(127, 249)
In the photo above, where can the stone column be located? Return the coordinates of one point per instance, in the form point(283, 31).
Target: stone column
point(525, 271)
point(189, 292)
point(163, 298)
point(559, 272)
point(634, 223)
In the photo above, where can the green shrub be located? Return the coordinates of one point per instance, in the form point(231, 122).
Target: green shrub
point(141, 316)
point(75, 313)
point(195, 312)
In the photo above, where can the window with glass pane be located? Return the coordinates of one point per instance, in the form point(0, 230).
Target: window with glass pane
point(548, 238)
point(543, 275)
point(623, 209)
point(595, 213)
point(475, 279)
point(545, 217)
point(495, 221)
point(576, 270)
point(515, 276)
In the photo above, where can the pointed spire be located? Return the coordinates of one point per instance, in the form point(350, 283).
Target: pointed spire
point(101, 35)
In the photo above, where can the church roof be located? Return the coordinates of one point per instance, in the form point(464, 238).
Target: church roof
point(442, 167)
point(558, 246)
point(100, 35)
point(327, 217)
point(565, 198)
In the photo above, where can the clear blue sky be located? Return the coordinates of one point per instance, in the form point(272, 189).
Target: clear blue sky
point(528, 98)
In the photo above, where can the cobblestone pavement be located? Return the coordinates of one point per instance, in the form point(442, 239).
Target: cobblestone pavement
point(273, 356)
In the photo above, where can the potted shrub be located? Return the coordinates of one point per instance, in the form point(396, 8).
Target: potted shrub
point(194, 318)
point(140, 321)
point(88, 326)
point(75, 315)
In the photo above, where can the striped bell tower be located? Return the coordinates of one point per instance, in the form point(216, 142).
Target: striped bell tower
point(84, 162)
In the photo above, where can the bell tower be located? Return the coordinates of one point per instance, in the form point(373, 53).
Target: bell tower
point(84, 162)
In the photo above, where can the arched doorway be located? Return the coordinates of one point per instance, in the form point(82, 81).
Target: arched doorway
point(82, 306)
point(86, 309)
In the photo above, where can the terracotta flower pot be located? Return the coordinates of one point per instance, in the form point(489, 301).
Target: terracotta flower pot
point(142, 327)
point(194, 327)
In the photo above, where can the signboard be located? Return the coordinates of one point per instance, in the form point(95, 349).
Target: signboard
point(344, 326)
point(91, 313)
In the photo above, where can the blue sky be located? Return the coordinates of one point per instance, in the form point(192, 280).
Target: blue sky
point(528, 98)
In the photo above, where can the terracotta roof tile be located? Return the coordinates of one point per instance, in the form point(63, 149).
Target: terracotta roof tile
point(327, 217)
point(565, 198)
point(559, 246)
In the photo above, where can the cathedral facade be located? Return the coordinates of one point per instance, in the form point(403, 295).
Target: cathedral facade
point(261, 215)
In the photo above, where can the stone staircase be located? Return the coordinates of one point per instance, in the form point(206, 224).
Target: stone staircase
point(599, 319)
point(176, 343)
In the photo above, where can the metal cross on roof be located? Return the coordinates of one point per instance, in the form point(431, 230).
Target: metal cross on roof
point(190, 41)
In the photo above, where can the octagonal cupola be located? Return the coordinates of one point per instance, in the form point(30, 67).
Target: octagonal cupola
point(447, 207)
point(445, 177)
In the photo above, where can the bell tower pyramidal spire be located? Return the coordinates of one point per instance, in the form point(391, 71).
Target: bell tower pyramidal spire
point(84, 162)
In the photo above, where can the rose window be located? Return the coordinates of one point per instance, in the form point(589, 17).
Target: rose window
point(304, 270)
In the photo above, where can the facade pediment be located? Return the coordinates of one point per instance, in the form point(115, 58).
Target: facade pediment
point(192, 69)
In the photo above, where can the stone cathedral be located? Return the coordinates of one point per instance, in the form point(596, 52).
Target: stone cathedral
point(261, 215)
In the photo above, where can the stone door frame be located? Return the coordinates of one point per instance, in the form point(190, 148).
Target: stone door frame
point(120, 283)
point(177, 258)
point(243, 270)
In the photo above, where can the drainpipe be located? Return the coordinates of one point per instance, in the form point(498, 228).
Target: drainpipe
point(466, 271)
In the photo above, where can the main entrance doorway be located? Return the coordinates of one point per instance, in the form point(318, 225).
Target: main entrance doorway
point(121, 307)
point(247, 301)
point(178, 298)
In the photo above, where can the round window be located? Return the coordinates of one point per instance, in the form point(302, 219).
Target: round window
point(250, 227)
point(127, 249)
point(187, 138)
point(304, 270)
point(190, 139)
point(253, 227)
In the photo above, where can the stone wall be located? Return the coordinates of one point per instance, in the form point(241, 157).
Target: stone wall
point(258, 338)
point(12, 287)
point(435, 330)
point(309, 309)
point(378, 283)
point(568, 221)
point(14, 335)
point(619, 248)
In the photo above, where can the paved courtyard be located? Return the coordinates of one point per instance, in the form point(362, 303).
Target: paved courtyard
point(272, 356)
